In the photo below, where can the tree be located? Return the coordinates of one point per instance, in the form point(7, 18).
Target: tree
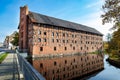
point(108, 36)
point(111, 9)
point(15, 39)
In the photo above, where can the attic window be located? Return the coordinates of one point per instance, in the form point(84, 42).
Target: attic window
point(52, 33)
point(57, 34)
point(45, 33)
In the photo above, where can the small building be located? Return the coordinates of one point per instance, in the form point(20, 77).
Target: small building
point(41, 34)
point(1, 44)
point(8, 40)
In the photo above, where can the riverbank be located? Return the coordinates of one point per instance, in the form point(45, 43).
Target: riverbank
point(114, 62)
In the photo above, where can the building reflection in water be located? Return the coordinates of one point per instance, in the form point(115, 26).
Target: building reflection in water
point(68, 67)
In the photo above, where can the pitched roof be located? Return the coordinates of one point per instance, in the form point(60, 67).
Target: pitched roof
point(39, 18)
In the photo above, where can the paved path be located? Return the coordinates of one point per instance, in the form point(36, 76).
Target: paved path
point(8, 70)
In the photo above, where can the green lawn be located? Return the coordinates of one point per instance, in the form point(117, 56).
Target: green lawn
point(3, 56)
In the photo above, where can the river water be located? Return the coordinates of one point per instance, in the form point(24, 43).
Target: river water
point(109, 73)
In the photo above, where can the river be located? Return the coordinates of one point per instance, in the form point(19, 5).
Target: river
point(109, 73)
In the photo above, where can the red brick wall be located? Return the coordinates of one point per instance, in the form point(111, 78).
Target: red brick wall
point(81, 39)
point(23, 28)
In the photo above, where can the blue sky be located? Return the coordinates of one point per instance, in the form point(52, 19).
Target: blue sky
point(85, 12)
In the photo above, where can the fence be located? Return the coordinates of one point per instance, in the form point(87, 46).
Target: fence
point(28, 71)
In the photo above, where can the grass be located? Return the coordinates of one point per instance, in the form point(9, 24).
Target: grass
point(96, 52)
point(3, 56)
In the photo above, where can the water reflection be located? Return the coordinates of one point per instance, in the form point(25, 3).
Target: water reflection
point(68, 67)
point(109, 73)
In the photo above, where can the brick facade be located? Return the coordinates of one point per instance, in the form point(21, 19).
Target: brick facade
point(41, 38)
point(23, 26)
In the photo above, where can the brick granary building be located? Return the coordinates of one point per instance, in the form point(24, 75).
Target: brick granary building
point(41, 34)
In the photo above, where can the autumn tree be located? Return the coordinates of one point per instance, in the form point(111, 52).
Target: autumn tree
point(15, 39)
point(111, 10)
point(111, 14)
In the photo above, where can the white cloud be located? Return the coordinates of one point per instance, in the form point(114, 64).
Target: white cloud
point(95, 4)
point(94, 20)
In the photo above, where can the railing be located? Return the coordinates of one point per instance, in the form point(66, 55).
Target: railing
point(28, 71)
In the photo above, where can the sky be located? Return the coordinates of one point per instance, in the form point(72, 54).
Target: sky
point(86, 12)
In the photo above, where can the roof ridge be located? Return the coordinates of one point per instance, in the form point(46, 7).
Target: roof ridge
point(54, 21)
point(62, 19)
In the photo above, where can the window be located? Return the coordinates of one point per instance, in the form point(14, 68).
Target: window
point(65, 61)
point(64, 76)
point(41, 48)
point(55, 63)
point(72, 41)
point(57, 40)
point(75, 66)
point(92, 47)
point(53, 71)
point(64, 69)
point(72, 35)
point(38, 24)
point(57, 34)
point(45, 73)
point(87, 48)
point(74, 60)
point(75, 41)
point(21, 34)
point(44, 33)
point(52, 33)
point(81, 42)
point(53, 40)
point(65, 48)
point(67, 34)
point(70, 45)
point(75, 36)
point(81, 48)
point(45, 40)
point(39, 39)
point(81, 36)
point(73, 48)
point(63, 41)
point(44, 25)
point(39, 32)
point(41, 65)
point(81, 59)
point(67, 41)
point(63, 34)
point(54, 48)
